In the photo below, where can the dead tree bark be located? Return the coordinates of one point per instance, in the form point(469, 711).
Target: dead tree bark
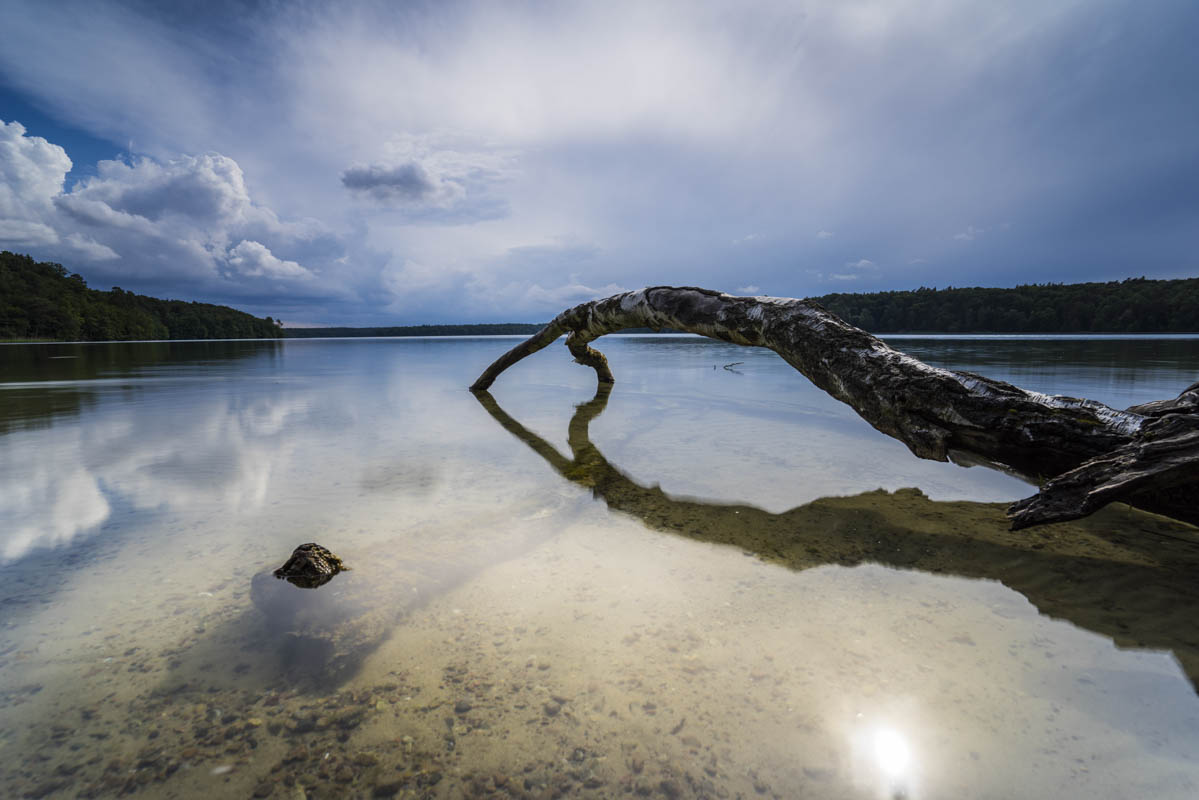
point(1147, 456)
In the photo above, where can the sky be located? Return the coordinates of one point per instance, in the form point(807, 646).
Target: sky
point(390, 163)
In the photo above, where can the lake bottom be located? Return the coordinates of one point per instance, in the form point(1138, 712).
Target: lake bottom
point(595, 658)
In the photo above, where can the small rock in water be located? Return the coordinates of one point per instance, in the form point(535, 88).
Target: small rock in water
point(461, 707)
point(551, 709)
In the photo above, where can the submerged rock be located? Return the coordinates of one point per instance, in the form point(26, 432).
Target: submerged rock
point(310, 566)
point(326, 634)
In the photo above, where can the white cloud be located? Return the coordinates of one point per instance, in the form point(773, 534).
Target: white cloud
point(253, 259)
point(862, 263)
point(843, 276)
point(189, 219)
point(969, 234)
point(32, 172)
point(26, 233)
point(749, 290)
point(823, 234)
point(90, 249)
point(202, 191)
point(32, 169)
point(100, 215)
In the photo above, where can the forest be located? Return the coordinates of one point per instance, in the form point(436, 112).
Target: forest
point(44, 301)
point(1135, 305)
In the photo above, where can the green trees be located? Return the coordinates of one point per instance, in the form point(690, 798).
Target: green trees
point(1136, 305)
point(42, 300)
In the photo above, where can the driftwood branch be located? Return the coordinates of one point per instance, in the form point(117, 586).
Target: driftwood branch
point(1147, 456)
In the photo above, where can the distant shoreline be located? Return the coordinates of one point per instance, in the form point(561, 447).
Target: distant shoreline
point(44, 302)
point(1029, 336)
point(419, 331)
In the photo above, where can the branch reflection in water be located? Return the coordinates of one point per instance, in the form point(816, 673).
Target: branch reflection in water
point(1122, 573)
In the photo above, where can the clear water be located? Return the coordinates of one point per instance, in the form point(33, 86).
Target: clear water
point(710, 582)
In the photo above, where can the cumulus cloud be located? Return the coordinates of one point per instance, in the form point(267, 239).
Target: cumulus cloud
point(750, 290)
point(26, 233)
point(970, 234)
point(90, 249)
point(32, 169)
point(205, 190)
point(190, 218)
point(823, 234)
point(143, 223)
point(32, 172)
point(861, 263)
point(253, 260)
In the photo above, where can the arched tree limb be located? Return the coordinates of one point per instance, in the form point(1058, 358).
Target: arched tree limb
point(937, 413)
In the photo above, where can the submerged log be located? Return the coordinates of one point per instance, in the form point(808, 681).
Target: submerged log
point(1147, 456)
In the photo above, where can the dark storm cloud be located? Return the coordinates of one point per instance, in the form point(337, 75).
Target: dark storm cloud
point(404, 182)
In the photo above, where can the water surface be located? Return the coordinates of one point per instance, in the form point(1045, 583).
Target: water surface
point(712, 581)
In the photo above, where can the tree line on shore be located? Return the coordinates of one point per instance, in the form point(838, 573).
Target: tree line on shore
point(1135, 305)
point(43, 300)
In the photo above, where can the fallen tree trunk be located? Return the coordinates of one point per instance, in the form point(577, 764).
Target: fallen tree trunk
point(1147, 456)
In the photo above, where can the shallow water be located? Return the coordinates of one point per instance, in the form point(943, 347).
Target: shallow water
point(710, 582)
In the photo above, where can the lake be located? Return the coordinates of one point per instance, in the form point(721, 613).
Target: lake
point(712, 581)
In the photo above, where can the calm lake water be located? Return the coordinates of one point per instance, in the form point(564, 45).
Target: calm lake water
point(713, 581)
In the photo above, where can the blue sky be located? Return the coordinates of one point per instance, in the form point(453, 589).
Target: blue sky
point(372, 163)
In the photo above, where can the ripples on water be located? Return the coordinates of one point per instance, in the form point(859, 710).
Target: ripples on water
point(708, 583)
